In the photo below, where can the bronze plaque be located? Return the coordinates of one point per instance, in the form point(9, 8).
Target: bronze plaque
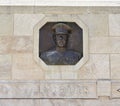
point(60, 43)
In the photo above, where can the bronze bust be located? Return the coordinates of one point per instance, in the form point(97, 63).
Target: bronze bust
point(60, 55)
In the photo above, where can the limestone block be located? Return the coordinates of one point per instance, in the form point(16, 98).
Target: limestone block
point(114, 102)
point(19, 89)
point(5, 44)
point(65, 18)
point(61, 10)
point(80, 102)
point(100, 10)
point(104, 10)
point(24, 23)
point(94, 103)
point(56, 74)
point(114, 44)
point(5, 66)
point(6, 24)
point(53, 74)
point(99, 45)
point(114, 24)
point(96, 68)
point(104, 44)
point(69, 74)
point(21, 9)
point(61, 102)
point(19, 102)
point(104, 88)
point(68, 89)
point(97, 24)
point(102, 101)
point(24, 67)
point(115, 89)
point(4, 9)
point(22, 44)
point(115, 66)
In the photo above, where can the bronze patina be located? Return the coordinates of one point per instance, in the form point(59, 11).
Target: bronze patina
point(61, 55)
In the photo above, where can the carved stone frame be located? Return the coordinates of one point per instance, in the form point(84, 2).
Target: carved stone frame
point(56, 18)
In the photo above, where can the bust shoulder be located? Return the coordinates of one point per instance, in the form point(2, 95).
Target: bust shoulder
point(50, 57)
point(73, 53)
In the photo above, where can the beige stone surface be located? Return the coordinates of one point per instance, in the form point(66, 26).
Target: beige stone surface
point(21, 9)
point(114, 24)
point(5, 2)
point(115, 89)
point(96, 68)
point(68, 89)
point(115, 66)
point(75, 3)
point(99, 45)
point(6, 24)
point(77, 10)
point(69, 74)
point(104, 101)
point(104, 88)
point(104, 44)
point(5, 44)
point(114, 102)
point(60, 3)
point(24, 67)
point(65, 17)
point(53, 74)
point(24, 23)
point(19, 102)
point(59, 10)
point(97, 24)
point(5, 9)
point(5, 66)
point(22, 2)
point(104, 10)
point(65, 74)
point(114, 45)
point(61, 102)
point(17, 61)
point(9, 89)
point(22, 44)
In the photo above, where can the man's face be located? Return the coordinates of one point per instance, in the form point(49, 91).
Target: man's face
point(61, 40)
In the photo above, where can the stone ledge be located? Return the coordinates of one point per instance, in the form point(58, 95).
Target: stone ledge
point(68, 89)
point(60, 10)
point(59, 3)
point(48, 89)
point(62, 89)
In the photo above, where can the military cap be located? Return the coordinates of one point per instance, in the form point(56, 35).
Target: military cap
point(61, 28)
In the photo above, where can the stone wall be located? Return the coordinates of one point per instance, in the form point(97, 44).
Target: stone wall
point(22, 78)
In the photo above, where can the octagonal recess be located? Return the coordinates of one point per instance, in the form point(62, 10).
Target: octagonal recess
point(47, 43)
point(43, 41)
